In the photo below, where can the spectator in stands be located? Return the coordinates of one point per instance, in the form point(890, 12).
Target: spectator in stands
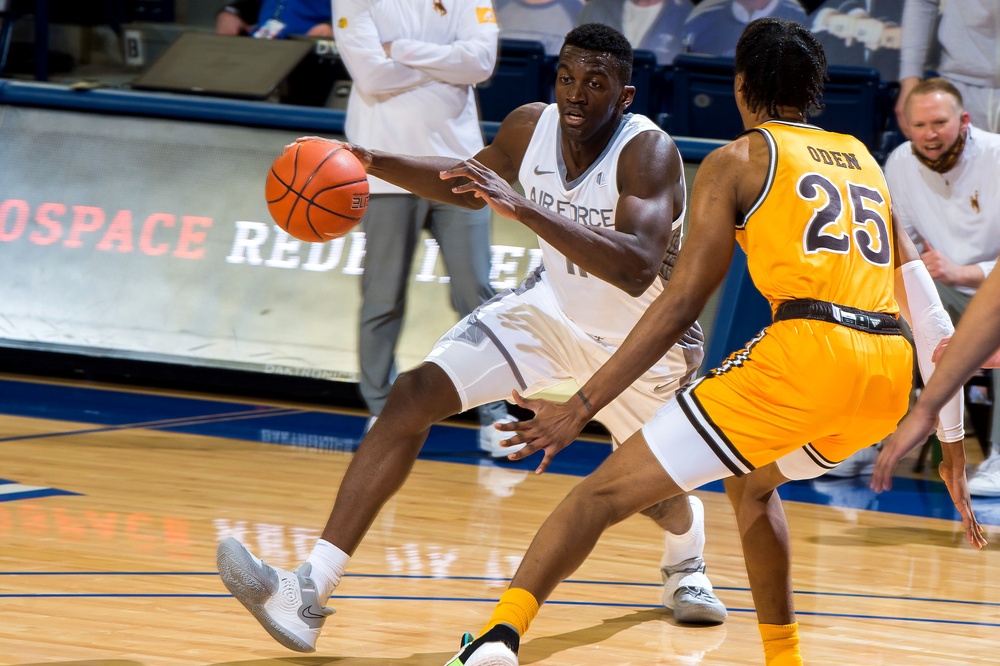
point(944, 186)
point(714, 26)
point(966, 32)
point(273, 19)
point(861, 33)
point(545, 21)
point(414, 67)
point(650, 25)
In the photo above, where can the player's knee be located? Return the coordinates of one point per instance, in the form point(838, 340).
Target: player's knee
point(753, 486)
point(421, 397)
point(601, 504)
point(667, 508)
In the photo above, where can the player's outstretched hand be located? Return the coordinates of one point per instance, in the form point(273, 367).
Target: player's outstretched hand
point(911, 431)
point(958, 487)
point(475, 177)
point(553, 428)
point(362, 153)
point(304, 139)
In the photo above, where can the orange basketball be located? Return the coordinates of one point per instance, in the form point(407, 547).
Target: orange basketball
point(316, 190)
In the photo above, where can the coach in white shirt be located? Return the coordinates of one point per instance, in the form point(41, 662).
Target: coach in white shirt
point(414, 66)
point(944, 183)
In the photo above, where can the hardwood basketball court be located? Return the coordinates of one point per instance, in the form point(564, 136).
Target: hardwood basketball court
point(112, 502)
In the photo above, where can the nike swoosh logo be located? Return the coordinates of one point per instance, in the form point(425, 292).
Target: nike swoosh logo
point(542, 173)
point(309, 612)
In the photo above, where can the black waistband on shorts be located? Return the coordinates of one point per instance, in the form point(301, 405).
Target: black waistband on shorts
point(861, 320)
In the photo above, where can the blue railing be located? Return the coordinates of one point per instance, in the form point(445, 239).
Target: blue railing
point(215, 109)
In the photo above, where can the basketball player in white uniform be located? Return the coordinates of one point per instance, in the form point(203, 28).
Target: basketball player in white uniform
point(604, 191)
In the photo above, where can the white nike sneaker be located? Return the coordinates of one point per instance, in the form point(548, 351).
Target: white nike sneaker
point(284, 602)
point(986, 481)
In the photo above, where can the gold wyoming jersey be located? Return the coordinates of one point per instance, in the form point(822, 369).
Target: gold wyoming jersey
point(821, 228)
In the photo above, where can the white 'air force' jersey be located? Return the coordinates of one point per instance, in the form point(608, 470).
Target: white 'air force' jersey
point(600, 309)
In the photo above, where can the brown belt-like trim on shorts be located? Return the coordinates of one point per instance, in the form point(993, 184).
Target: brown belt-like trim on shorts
point(860, 320)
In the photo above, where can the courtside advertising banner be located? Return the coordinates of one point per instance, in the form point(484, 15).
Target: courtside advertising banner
point(149, 239)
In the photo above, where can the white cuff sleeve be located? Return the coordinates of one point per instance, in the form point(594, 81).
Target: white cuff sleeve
point(920, 304)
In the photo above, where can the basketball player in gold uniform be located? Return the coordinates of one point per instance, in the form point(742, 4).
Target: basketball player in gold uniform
point(831, 375)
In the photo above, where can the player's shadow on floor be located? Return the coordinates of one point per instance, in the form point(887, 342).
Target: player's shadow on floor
point(880, 537)
point(691, 639)
point(695, 640)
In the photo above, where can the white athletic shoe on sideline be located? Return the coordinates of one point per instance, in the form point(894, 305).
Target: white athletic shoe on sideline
point(490, 440)
point(986, 481)
point(859, 463)
point(285, 603)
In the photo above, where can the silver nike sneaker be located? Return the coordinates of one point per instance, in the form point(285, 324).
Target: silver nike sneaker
point(284, 602)
point(688, 593)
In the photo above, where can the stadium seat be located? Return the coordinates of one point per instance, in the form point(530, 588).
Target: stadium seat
point(647, 93)
point(852, 105)
point(523, 75)
point(701, 103)
point(892, 135)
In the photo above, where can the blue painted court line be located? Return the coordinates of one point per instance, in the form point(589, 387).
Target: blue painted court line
point(12, 490)
point(125, 409)
point(465, 600)
point(162, 424)
point(492, 579)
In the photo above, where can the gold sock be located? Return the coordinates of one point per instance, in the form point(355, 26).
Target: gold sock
point(517, 607)
point(781, 644)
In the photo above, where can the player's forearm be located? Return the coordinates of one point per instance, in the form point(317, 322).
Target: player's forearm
point(615, 257)
point(919, 17)
point(421, 176)
point(969, 276)
point(953, 454)
point(659, 328)
point(463, 62)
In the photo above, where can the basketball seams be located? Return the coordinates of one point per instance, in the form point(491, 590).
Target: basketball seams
point(309, 200)
point(339, 185)
point(313, 204)
point(316, 220)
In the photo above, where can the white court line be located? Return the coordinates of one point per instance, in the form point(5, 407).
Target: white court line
point(12, 488)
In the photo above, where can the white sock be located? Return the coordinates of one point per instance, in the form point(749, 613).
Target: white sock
point(328, 565)
point(681, 547)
